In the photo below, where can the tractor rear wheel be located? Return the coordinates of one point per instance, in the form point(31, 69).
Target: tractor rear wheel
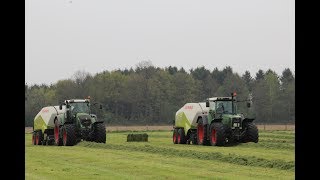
point(181, 138)
point(217, 134)
point(175, 136)
point(57, 139)
point(69, 135)
point(201, 133)
point(252, 134)
point(100, 133)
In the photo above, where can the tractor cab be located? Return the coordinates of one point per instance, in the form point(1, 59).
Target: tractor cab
point(221, 106)
point(79, 106)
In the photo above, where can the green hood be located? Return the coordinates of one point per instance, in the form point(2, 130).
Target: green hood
point(226, 118)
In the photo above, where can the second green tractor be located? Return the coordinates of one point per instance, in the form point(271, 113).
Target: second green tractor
point(215, 122)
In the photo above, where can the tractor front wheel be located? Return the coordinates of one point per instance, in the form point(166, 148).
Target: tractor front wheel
point(252, 134)
point(100, 133)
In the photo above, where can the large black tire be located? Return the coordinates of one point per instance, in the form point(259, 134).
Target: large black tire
point(201, 133)
point(252, 133)
point(175, 136)
point(217, 134)
point(46, 141)
point(51, 142)
point(57, 138)
point(181, 138)
point(39, 138)
point(100, 133)
point(69, 135)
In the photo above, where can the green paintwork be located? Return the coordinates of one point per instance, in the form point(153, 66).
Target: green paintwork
point(39, 124)
point(182, 121)
point(78, 120)
point(226, 118)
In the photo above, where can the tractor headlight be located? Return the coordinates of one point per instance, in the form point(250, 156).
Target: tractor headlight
point(236, 122)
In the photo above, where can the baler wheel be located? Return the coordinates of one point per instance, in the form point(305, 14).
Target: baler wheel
point(38, 138)
point(174, 136)
point(181, 137)
point(33, 138)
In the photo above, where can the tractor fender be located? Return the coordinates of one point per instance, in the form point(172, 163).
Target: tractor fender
point(93, 127)
point(247, 120)
point(98, 121)
point(204, 119)
point(60, 121)
point(55, 119)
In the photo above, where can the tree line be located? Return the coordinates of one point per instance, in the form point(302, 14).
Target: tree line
point(149, 95)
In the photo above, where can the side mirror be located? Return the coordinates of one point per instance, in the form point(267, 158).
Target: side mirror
point(67, 105)
point(207, 104)
point(100, 106)
point(60, 107)
point(248, 104)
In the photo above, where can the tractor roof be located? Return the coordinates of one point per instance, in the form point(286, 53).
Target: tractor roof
point(219, 98)
point(77, 100)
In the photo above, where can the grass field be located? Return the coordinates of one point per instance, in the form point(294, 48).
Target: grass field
point(271, 158)
point(169, 127)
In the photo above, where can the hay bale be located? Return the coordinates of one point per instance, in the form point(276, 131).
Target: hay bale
point(137, 137)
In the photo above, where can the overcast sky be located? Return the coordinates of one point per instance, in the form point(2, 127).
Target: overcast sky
point(64, 36)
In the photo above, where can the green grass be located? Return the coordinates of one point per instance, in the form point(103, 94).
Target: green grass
point(272, 158)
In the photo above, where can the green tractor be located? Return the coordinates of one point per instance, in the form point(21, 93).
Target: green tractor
point(214, 122)
point(68, 124)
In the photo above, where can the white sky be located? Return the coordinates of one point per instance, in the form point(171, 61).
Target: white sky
point(64, 36)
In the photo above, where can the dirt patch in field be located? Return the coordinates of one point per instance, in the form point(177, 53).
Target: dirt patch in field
point(283, 127)
point(167, 128)
point(28, 129)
